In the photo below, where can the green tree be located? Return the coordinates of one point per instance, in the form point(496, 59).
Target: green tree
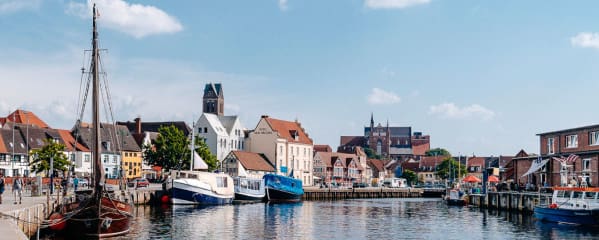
point(204, 152)
point(437, 152)
point(371, 153)
point(51, 149)
point(449, 168)
point(411, 176)
point(170, 149)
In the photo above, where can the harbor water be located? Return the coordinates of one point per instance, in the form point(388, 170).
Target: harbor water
point(346, 219)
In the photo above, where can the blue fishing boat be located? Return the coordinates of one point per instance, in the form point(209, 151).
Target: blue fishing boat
point(571, 205)
point(283, 189)
point(249, 189)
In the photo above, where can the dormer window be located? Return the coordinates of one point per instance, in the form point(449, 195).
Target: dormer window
point(294, 134)
point(106, 145)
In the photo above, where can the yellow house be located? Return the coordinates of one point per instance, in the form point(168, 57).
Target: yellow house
point(131, 164)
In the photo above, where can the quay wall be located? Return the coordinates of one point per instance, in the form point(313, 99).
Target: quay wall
point(511, 201)
point(338, 194)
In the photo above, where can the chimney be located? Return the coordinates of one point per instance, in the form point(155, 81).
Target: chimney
point(264, 116)
point(138, 125)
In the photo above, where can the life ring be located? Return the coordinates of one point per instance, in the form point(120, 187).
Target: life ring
point(553, 205)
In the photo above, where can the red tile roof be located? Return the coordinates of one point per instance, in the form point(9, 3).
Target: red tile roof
point(379, 165)
point(2, 146)
point(413, 166)
point(69, 141)
point(322, 148)
point(476, 161)
point(26, 117)
point(286, 129)
point(431, 161)
point(253, 161)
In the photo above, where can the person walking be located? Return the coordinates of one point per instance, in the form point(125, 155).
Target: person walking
point(75, 182)
point(17, 188)
point(1, 186)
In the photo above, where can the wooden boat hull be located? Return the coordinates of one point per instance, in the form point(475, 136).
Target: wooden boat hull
point(115, 219)
point(455, 202)
point(569, 216)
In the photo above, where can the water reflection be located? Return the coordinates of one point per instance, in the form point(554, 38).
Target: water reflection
point(349, 219)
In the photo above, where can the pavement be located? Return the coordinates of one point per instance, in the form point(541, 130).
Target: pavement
point(8, 225)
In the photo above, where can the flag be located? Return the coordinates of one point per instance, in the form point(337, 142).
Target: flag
point(572, 158)
point(565, 160)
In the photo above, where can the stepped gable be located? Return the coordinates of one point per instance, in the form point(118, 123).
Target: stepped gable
point(292, 131)
point(254, 161)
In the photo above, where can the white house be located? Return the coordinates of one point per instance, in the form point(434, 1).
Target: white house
point(222, 134)
point(286, 145)
point(247, 164)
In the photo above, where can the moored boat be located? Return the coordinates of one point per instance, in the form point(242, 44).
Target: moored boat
point(100, 212)
point(249, 189)
point(283, 189)
point(571, 205)
point(455, 197)
point(198, 187)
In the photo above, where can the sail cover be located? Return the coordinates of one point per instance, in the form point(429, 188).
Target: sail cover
point(536, 165)
point(198, 162)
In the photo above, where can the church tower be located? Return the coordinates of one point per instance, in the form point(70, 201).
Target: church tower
point(214, 99)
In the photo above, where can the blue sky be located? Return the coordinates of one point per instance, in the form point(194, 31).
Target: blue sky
point(481, 77)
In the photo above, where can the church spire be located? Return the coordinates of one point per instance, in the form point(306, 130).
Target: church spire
point(371, 121)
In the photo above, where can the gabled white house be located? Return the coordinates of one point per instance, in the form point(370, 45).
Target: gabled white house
point(286, 145)
point(247, 164)
point(222, 134)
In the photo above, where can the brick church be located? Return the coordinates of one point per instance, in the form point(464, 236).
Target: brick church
point(390, 142)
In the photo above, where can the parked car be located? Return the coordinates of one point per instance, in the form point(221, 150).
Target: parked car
point(139, 182)
point(83, 182)
point(359, 185)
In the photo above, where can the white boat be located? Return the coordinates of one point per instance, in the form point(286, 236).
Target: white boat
point(249, 189)
point(197, 187)
point(200, 187)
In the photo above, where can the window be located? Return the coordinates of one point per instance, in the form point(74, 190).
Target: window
point(550, 146)
point(594, 138)
point(571, 141)
point(105, 158)
point(2, 157)
point(205, 130)
point(586, 164)
point(280, 150)
point(87, 158)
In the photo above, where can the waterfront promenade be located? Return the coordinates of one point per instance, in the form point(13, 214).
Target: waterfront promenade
point(28, 214)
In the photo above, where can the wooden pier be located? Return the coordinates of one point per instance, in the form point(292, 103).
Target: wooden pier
point(338, 194)
point(511, 201)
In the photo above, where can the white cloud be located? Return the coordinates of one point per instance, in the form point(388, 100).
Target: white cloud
point(379, 96)
point(283, 5)
point(381, 4)
point(586, 40)
point(134, 19)
point(8, 6)
point(451, 111)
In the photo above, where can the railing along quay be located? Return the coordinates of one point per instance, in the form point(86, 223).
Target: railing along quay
point(511, 201)
point(337, 194)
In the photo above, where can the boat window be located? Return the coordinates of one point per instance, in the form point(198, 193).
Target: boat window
point(577, 195)
point(567, 194)
point(193, 176)
point(221, 182)
point(560, 194)
point(589, 195)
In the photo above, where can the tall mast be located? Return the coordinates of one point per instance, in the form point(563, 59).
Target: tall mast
point(193, 146)
point(98, 171)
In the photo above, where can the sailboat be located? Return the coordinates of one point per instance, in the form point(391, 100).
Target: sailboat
point(99, 212)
